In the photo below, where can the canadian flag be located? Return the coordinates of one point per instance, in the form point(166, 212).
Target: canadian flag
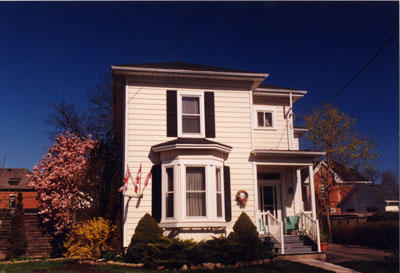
point(138, 178)
point(126, 179)
point(147, 179)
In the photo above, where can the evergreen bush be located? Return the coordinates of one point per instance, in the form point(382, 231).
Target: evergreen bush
point(245, 240)
point(142, 247)
point(17, 242)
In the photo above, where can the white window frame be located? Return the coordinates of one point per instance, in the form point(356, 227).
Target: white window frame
point(269, 109)
point(180, 217)
point(200, 95)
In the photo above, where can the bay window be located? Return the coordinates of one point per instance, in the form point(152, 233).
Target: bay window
point(192, 191)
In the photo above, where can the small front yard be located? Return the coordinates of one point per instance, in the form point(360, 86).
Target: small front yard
point(72, 266)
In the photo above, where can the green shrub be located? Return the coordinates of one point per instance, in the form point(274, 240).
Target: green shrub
point(142, 247)
point(218, 250)
point(384, 216)
point(17, 242)
point(110, 255)
point(245, 240)
point(150, 247)
point(383, 235)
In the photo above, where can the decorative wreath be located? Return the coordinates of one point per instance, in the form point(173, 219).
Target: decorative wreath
point(242, 196)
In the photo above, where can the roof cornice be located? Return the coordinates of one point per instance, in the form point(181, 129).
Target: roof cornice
point(181, 146)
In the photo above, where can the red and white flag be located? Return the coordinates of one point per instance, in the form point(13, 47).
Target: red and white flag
point(147, 179)
point(126, 179)
point(138, 178)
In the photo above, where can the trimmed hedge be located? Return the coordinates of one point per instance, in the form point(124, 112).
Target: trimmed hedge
point(383, 235)
point(383, 216)
point(150, 247)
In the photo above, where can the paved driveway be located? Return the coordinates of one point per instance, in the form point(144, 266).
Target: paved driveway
point(341, 253)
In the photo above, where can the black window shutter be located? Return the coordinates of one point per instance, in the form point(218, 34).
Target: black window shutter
point(172, 116)
point(210, 114)
point(227, 193)
point(156, 192)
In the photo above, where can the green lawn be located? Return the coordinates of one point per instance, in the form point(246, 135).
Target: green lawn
point(72, 266)
point(372, 266)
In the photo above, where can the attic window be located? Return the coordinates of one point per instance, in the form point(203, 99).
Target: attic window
point(14, 181)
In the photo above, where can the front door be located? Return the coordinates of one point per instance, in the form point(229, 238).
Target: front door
point(269, 192)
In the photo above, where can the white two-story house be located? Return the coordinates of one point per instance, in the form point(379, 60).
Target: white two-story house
point(218, 142)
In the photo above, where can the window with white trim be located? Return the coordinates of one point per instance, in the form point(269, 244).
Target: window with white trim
point(218, 185)
point(169, 195)
point(192, 191)
point(12, 201)
point(264, 117)
point(195, 191)
point(191, 114)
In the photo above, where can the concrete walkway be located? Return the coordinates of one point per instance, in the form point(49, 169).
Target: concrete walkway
point(326, 266)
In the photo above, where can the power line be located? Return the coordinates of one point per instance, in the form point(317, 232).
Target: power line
point(173, 46)
point(361, 70)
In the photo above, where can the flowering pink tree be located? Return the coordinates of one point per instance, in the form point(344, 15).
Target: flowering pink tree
point(57, 179)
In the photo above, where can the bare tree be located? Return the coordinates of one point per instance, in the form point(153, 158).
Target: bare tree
point(96, 120)
point(389, 177)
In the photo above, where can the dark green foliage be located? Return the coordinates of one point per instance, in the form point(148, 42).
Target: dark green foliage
point(110, 255)
point(246, 241)
point(384, 216)
point(142, 248)
point(383, 235)
point(17, 243)
point(104, 177)
point(218, 250)
point(150, 247)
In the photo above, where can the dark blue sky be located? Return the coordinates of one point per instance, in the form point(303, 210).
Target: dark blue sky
point(54, 51)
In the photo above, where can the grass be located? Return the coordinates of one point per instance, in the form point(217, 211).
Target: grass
point(372, 266)
point(72, 266)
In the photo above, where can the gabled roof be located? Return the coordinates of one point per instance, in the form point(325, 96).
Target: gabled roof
point(384, 192)
point(14, 178)
point(342, 174)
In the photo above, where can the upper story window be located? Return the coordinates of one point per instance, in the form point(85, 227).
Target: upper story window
point(14, 181)
point(264, 117)
point(191, 114)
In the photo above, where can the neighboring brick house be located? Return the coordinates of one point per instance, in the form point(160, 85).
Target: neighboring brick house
point(345, 179)
point(13, 181)
point(218, 142)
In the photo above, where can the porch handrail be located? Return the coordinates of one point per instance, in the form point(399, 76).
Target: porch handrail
point(310, 228)
point(271, 226)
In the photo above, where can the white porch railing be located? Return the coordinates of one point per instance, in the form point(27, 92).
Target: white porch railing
point(310, 227)
point(271, 226)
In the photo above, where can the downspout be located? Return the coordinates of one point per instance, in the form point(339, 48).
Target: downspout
point(254, 166)
point(290, 122)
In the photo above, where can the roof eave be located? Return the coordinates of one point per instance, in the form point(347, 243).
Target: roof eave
point(260, 76)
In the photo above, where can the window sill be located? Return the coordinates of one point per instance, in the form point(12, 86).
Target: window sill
point(266, 129)
point(193, 224)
